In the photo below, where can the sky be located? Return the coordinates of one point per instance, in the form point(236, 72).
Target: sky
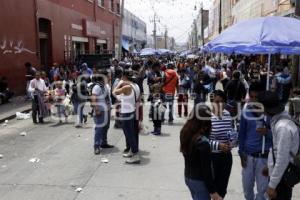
point(175, 15)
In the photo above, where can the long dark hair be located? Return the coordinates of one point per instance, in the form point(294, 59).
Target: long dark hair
point(198, 124)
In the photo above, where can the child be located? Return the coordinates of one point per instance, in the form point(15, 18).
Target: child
point(60, 95)
point(157, 109)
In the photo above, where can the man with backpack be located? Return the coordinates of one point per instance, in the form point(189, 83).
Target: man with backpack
point(282, 171)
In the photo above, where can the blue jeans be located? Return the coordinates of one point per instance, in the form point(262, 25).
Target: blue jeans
point(78, 110)
point(252, 173)
point(101, 127)
point(128, 125)
point(198, 189)
point(169, 99)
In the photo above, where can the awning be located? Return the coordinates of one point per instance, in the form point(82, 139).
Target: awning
point(125, 44)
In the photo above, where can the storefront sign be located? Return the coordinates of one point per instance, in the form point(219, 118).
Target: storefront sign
point(91, 29)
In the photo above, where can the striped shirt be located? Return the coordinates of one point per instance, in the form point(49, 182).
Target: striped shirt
point(220, 129)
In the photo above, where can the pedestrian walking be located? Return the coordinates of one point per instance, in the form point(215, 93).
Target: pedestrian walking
point(253, 150)
point(59, 97)
point(196, 150)
point(154, 82)
point(157, 109)
point(282, 84)
point(236, 93)
point(170, 83)
point(79, 97)
point(184, 85)
point(285, 144)
point(221, 149)
point(37, 88)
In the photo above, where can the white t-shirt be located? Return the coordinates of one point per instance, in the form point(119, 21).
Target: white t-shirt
point(101, 94)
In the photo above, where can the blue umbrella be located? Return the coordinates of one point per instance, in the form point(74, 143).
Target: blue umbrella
point(263, 35)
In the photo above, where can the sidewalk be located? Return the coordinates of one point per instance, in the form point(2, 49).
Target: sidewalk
point(17, 104)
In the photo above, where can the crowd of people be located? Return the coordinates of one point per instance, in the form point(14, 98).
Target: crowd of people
point(231, 108)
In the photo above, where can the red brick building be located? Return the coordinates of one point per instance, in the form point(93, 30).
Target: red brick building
point(44, 32)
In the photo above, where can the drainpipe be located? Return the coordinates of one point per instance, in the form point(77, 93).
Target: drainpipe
point(37, 37)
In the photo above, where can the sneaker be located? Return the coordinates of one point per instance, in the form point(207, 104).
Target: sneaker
point(126, 150)
point(78, 126)
point(97, 151)
point(134, 159)
point(128, 155)
point(170, 122)
point(157, 132)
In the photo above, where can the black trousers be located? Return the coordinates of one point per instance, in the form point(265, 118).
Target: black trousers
point(137, 130)
point(222, 164)
point(157, 123)
point(283, 192)
point(35, 110)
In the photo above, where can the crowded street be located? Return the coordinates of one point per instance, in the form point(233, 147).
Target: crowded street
point(150, 99)
point(67, 163)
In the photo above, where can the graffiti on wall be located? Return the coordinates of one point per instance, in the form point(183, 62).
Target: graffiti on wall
point(14, 47)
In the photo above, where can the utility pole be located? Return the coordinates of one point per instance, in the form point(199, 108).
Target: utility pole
point(154, 30)
point(202, 24)
point(166, 39)
point(220, 17)
point(196, 33)
point(121, 29)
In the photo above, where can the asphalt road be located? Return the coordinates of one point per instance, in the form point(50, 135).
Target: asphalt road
point(66, 163)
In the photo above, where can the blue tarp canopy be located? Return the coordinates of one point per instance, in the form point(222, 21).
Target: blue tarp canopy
point(148, 52)
point(164, 51)
point(185, 53)
point(125, 44)
point(264, 35)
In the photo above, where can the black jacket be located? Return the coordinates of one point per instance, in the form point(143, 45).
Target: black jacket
point(198, 164)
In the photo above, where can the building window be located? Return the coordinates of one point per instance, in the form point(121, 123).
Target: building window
point(118, 9)
point(101, 3)
point(111, 5)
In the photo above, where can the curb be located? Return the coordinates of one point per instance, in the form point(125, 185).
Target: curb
point(14, 115)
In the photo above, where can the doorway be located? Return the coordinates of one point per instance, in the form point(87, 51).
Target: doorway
point(45, 43)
